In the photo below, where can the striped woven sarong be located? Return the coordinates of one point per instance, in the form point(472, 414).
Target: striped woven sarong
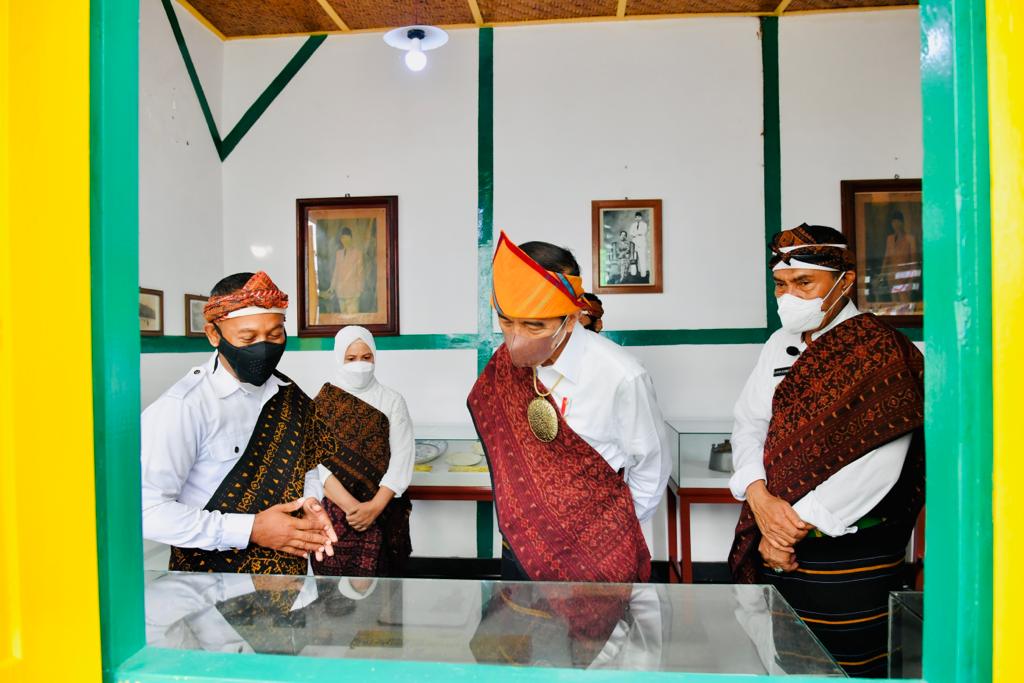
point(841, 591)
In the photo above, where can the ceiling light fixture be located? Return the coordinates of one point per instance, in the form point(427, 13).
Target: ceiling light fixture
point(415, 41)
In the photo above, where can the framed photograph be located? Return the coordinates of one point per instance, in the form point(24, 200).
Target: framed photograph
point(627, 246)
point(194, 318)
point(347, 259)
point(882, 222)
point(151, 312)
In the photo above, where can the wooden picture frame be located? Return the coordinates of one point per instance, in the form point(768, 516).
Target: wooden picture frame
point(192, 326)
point(882, 222)
point(151, 312)
point(347, 264)
point(626, 246)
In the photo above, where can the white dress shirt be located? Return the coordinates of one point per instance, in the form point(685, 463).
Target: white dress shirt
point(607, 397)
point(400, 439)
point(192, 436)
point(847, 495)
point(181, 610)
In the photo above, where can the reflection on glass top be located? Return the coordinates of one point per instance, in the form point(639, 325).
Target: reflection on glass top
point(700, 628)
point(911, 600)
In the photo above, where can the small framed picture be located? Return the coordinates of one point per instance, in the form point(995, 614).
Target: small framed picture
point(627, 246)
point(195, 321)
point(151, 312)
point(347, 262)
point(882, 222)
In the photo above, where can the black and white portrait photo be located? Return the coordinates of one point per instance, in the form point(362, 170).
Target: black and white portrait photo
point(627, 246)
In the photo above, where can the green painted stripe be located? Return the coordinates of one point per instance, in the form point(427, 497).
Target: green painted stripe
point(913, 333)
point(484, 528)
point(190, 67)
point(256, 110)
point(688, 337)
point(958, 335)
point(772, 155)
point(114, 262)
point(484, 242)
point(485, 344)
point(485, 192)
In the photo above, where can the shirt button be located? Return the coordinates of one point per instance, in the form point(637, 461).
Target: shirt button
point(236, 449)
point(195, 372)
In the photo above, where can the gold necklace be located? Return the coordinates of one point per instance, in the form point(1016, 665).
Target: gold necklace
point(541, 414)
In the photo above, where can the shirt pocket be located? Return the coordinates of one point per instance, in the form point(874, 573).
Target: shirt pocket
point(225, 446)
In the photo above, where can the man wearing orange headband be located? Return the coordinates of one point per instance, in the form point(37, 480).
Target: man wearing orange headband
point(571, 428)
point(223, 462)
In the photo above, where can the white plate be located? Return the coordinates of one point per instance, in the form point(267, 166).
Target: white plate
point(426, 452)
point(442, 446)
point(464, 459)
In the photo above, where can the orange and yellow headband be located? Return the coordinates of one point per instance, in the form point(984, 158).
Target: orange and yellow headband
point(525, 289)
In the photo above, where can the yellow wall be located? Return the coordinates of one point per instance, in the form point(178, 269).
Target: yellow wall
point(48, 580)
point(1005, 20)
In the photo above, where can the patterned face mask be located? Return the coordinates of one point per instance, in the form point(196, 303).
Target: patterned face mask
point(530, 353)
point(253, 364)
point(806, 315)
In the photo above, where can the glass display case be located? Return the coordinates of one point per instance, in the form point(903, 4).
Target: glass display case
point(906, 624)
point(450, 465)
point(696, 444)
point(691, 442)
point(717, 629)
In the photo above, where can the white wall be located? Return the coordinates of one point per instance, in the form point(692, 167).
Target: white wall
point(669, 109)
point(660, 109)
point(356, 121)
point(850, 106)
point(180, 236)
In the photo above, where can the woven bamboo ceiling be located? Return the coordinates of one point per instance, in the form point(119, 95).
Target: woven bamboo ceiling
point(254, 18)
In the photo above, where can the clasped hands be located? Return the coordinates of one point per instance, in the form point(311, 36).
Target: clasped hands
point(277, 529)
point(780, 525)
point(361, 515)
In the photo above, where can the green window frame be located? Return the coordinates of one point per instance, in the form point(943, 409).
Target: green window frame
point(957, 334)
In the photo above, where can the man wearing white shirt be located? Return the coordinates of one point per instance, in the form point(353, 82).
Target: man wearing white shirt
point(828, 454)
point(571, 428)
point(223, 459)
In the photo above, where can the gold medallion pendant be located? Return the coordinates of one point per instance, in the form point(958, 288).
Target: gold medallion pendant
point(543, 419)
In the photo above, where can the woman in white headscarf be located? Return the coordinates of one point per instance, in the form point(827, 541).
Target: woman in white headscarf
point(366, 449)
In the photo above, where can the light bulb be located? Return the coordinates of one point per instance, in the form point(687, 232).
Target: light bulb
point(414, 58)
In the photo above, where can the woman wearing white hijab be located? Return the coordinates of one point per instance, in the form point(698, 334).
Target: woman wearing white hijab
point(366, 449)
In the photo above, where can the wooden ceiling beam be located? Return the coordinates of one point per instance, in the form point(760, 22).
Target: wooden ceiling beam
point(326, 6)
point(782, 7)
point(620, 11)
point(201, 19)
point(474, 8)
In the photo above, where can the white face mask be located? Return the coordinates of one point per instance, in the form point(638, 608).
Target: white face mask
point(805, 315)
point(357, 374)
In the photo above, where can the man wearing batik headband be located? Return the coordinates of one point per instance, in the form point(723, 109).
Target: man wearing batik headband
point(223, 458)
point(571, 429)
point(828, 453)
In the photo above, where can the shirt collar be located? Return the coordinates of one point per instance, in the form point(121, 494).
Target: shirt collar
point(225, 384)
point(850, 310)
point(570, 361)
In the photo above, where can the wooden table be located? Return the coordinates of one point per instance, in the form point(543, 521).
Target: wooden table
point(699, 486)
point(705, 487)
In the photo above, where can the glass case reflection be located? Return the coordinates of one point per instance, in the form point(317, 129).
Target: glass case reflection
point(705, 628)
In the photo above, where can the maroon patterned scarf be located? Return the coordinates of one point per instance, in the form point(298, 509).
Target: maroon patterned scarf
point(353, 442)
point(565, 513)
point(857, 387)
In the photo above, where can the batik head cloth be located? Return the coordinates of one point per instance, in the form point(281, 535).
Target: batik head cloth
point(525, 289)
point(811, 247)
point(259, 295)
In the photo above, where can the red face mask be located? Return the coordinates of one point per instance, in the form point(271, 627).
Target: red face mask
point(529, 352)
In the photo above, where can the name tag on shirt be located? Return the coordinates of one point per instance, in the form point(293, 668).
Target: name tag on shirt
point(781, 372)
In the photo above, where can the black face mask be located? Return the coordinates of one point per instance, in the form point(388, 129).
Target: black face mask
point(253, 364)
